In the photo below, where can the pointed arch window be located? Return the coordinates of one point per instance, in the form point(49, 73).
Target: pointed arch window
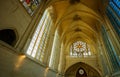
point(39, 40)
point(80, 49)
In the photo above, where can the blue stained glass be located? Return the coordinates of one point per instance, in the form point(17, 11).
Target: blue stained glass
point(117, 2)
point(114, 16)
point(111, 51)
point(113, 22)
point(116, 9)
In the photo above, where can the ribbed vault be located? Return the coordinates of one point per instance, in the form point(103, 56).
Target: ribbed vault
point(77, 20)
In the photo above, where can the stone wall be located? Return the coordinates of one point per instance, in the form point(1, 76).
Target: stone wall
point(14, 16)
point(14, 65)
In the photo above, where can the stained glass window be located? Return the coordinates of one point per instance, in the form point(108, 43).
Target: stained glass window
point(117, 2)
point(80, 48)
point(30, 5)
point(113, 58)
point(115, 8)
point(113, 13)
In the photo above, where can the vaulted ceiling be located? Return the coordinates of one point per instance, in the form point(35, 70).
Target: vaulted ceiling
point(77, 20)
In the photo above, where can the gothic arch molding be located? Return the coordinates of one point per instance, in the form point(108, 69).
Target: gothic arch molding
point(91, 71)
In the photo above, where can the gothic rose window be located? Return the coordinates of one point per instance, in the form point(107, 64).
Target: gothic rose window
point(80, 48)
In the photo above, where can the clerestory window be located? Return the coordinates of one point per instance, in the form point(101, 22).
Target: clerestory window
point(39, 40)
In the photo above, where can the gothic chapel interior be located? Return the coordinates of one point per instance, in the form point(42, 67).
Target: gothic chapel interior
point(59, 38)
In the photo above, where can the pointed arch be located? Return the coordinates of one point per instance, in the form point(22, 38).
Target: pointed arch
point(90, 71)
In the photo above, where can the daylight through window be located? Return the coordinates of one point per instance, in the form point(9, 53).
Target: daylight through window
point(79, 49)
point(39, 40)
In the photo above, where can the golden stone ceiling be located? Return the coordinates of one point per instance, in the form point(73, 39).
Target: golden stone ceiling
point(77, 20)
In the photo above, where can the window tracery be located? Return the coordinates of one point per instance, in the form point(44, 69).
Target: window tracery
point(80, 48)
point(36, 48)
